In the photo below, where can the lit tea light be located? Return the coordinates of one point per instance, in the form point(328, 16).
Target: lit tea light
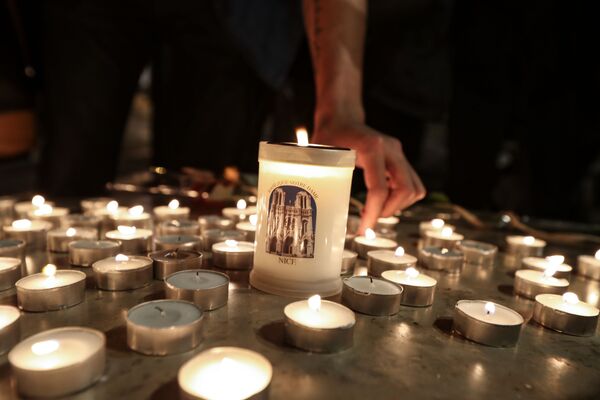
point(133, 240)
point(239, 212)
point(135, 216)
point(384, 260)
point(212, 222)
point(46, 212)
point(51, 289)
point(436, 225)
point(92, 204)
point(441, 259)
point(445, 238)
point(566, 314)
point(58, 239)
point(33, 233)
point(370, 241)
point(232, 254)
point(163, 327)
point(23, 208)
point(10, 330)
point(519, 247)
point(589, 266)
point(419, 289)
point(182, 227)
point(167, 262)
point(248, 227)
point(84, 253)
point(173, 210)
point(319, 325)
point(209, 290)
point(38, 201)
point(371, 296)
point(209, 375)
point(112, 207)
point(10, 272)
point(123, 272)
point(487, 323)
point(478, 253)
point(212, 236)
point(530, 283)
point(58, 362)
point(349, 258)
point(554, 264)
point(387, 224)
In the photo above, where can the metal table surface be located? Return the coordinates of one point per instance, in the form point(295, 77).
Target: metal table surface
point(411, 355)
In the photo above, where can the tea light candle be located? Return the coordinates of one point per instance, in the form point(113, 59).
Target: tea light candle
point(123, 272)
point(348, 261)
point(419, 289)
point(530, 283)
point(319, 325)
point(565, 314)
point(163, 327)
point(172, 242)
point(478, 253)
point(135, 216)
point(107, 215)
point(83, 253)
point(12, 248)
point(31, 232)
point(10, 330)
point(51, 289)
point(95, 203)
point(232, 254)
point(441, 259)
point(209, 290)
point(248, 227)
point(561, 270)
point(10, 272)
point(435, 225)
point(371, 296)
point(58, 362)
point(167, 262)
point(209, 222)
point(171, 211)
point(524, 246)
point(58, 239)
point(81, 221)
point(370, 241)
point(225, 373)
point(487, 323)
point(132, 239)
point(46, 212)
point(588, 266)
point(179, 227)
point(387, 224)
point(383, 260)
point(7, 208)
point(23, 208)
point(212, 236)
point(445, 238)
point(239, 212)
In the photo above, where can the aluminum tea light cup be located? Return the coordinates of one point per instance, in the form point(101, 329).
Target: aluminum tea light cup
point(478, 253)
point(349, 258)
point(371, 296)
point(530, 283)
point(210, 222)
point(207, 289)
point(171, 211)
point(10, 272)
point(566, 314)
point(441, 259)
point(212, 236)
point(209, 375)
point(132, 239)
point(58, 239)
point(167, 262)
point(163, 327)
point(370, 241)
point(588, 266)
point(319, 326)
point(33, 233)
point(232, 254)
point(12, 248)
point(419, 289)
point(561, 270)
point(10, 328)
point(179, 227)
point(172, 242)
point(446, 238)
point(123, 272)
point(51, 289)
point(83, 253)
point(248, 227)
point(58, 362)
point(436, 224)
point(519, 247)
point(384, 260)
point(487, 323)
point(135, 216)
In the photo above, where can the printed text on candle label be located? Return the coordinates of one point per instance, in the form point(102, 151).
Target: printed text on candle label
point(287, 260)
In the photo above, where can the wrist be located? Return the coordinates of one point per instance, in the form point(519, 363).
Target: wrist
point(333, 113)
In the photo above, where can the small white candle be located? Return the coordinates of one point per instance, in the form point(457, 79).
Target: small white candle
point(239, 212)
point(568, 303)
point(566, 313)
point(171, 211)
point(366, 284)
point(383, 260)
point(348, 261)
point(320, 314)
point(385, 224)
point(58, 239)
point(123, 272)
point(120, 263)
point(370, 241)
point(112, 208)
point(225, 373)
point(232, 254)
point(207, 289)
point(46, 211)
point(32, 232)
point(179, 227)
point(50, 278)
point(248, 227)
point(530, 283)
point(436, 224)
point(164, 314)
point(409, 277)
point(490, 313)
point(523, 246)
point(371, 296)
point(589, 266)
point(133, 240)
point(23, 208)
point(487, 323)
point(135, 216)
point(446, 238)
point(172, 242)
point(86, 252)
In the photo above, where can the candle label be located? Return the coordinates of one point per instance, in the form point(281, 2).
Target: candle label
point(291, 222)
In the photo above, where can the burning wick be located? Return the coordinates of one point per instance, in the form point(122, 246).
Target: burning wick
point(126, 230)
point(50, 272)
point(38, 200)
point(253, 219)
point(112, 206)
point(302, 137)
point(121, 258)
point(411, 272)
point(174, 204)
point(529, 240)
point(399, 252)
point(570, 298)
point(136, 211)
point(45, 347)
point(71, 232)
point(241, 204)
point(490, 308)
point(437, 223)
point(444, 250)
point(370, 234)
point(314, 302)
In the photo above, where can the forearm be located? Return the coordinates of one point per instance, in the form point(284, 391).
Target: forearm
point(336, 32)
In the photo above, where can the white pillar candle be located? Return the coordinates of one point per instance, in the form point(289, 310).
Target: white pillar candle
point(23, 208)
point(172, 242)
point(171, 211)
point(530, 283)
point(10, 272)
point(209, 290)
point(348, 261)
point(435, 224)
point(566, 314)
point(135, 216)
point(31, 232)
point(179, 227)
point(232, 254)
point(51, 289)
point(445, 238)
point(132, 239)
point(561, 270)
point(84, 253)
point(123, 272)
point(207, 222)
point(383, 260)
point(487, 323)
point(419, 289)
point(240, 212)
point(589, 266)
point(248, 227)
point(230, 373)
point(371, 296)
point(58, 239)
point(94, 203)
point(303, 200)
point(58, 362)
point(370, 241)
point(9, 327)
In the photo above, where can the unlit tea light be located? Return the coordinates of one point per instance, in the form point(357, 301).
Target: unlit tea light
point(58, 239)
point(84, 253)
point(10, 272)
point(530, 283)
point(123, 272)
point(10, 330)
point(419, 289)
point(209, 290)
point(31, 232)
point(441, 259)
point(478, 253)
point(384, 260)
point(348, 261)
point(51, 289)
point(172, 242)
point(370, 241)
point(372, 296)
point(566, 314)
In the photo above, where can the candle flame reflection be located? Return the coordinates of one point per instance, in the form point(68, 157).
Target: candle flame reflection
point(490, 308)
point(570, 298)
point(399, 251)
point(314, 302)
point(38, 200)
point(174, 204)
point(302, 137)
point(370, 234)
point(121, 257)
point(45, 347)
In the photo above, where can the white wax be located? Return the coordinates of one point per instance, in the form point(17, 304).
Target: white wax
point(557, 302)
point(438, 235)
point(539, 278)
point(377, 242)
point(502, 315)
point(56, 348)
point(166, 211)
point(427, 226)
point(22, 208)
point(518, 240)
point(7, 263)
point(226, 373)
point(8, 315)
point(370, 285)
point(174, 313)
point(197, 279)
point(245, 226)
point(111, 264)
point(240, 247)
point(347, 254)
point(234, 212)
point(36, 225)
point(330, 315)
point(388, 220)
point(541, 264)
point(590, 260)
point(138, 234)
point(63, 277)
point(55, 212)
point(93, 244)
point(390, 257)
point(402, 278)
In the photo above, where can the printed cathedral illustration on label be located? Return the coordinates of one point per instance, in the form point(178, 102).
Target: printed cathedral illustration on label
point(291, 222)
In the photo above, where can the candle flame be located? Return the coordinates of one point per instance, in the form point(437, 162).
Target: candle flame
point(490, 308)
point(121, 258)
point(231, 243)
point(529, 240)
point(370, 234)
point(43, 209)
point(136, 211)
point(550, 271)
point(314, 302)
point(447, 231)
point(21, 224)
point(241, 204)
point(399, 251)
point(570, 298)
point(411, 272)
point(253, 219)
point(174, 204)
point(71, 232)
point(555, 260)
point(597, 255)
point(49, 270)
point(437, 223)
point(112, 206)
point(444, 250)
point(302, 137)
point(45, 347)
point(126, 230)
point(38, 200)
